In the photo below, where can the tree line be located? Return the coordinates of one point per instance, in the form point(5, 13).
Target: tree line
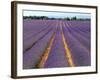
point(48, 18)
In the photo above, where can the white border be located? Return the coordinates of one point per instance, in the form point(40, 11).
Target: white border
point(21, 72)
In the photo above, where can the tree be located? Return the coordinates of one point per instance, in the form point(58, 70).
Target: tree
point(74, 18)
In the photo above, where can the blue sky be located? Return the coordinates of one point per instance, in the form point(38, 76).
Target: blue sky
point(55, 14)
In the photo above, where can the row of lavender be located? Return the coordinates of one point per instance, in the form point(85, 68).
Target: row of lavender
point(37, 34)
point(78, 38)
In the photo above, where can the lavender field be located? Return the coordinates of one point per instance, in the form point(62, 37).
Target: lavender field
point(56, 43)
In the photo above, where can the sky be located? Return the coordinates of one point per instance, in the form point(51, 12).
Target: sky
point(56, 14)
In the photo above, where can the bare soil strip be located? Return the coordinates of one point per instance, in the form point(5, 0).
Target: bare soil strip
point(46, 53)
point(68, 53)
